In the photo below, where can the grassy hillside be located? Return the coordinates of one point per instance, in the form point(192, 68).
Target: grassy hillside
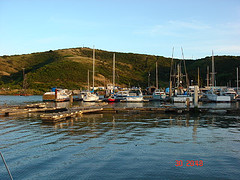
point(225, 68)
point(67, 68)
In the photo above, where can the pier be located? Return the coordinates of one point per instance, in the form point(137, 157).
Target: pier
point(56, 117)
point(56, 114)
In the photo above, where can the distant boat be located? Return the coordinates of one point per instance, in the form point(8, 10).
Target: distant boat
point(182, 98)
point(215, 95)
point(57, 95)
point(121, 95)
point(112, 98)
point(181, 88)
point(230, 92)
point(134, 95)
point(90, 97)
point(159, 95)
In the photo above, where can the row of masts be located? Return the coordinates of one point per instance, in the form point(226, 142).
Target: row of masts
point(176, 75)
point(94, 71)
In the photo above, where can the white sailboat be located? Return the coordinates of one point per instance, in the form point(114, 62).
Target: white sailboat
point(158, 94)
point(57, 95)
point(214, 94)
point(134, 95)
point(91, 96)
point(180, 94)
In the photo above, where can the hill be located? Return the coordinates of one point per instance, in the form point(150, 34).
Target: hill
point(67, 68)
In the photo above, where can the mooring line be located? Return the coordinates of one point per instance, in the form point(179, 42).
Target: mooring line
point(6, 166)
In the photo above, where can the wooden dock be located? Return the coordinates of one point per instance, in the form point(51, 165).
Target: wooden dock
point(14, 111)
point(56, 117)
point(56, 114)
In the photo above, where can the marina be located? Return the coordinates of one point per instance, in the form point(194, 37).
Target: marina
point(136, 136)
point(116, 90)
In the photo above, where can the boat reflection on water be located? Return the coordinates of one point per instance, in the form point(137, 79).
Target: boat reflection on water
point(122, 145)
point(134, 104)
point(208, 105)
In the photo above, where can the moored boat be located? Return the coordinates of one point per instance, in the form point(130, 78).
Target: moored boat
point(121, 95)
point(215, 95)
point(57, 95)
point(90, 97)
point(230, 92)
point(182, 98)
point(159, 95)
point(134, 95)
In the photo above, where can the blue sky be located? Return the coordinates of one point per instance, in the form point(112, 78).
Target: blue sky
point(138, 26)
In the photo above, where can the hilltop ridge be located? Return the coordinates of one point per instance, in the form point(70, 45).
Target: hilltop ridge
point(67, 68)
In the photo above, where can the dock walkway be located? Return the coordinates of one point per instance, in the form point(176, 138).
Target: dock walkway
point(55, 114)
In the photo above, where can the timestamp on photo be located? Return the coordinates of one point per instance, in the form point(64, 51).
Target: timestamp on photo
point(188, 163)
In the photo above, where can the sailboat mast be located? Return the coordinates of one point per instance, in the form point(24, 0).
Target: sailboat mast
point(237, 80)
point(88, 81)
point(185, 69)
point(156, 75)
point(198, 78)
point(207, 76)
point(178, 76)
point(93, 65)
point(113, 71)
point(213, 71)
point(170, 86)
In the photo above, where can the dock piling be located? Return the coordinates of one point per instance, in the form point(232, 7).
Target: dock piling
point(195, 96)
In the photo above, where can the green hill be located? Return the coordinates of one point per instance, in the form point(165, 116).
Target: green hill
point(67, 68)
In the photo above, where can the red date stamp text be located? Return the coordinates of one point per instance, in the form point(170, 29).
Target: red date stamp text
point(189, 163)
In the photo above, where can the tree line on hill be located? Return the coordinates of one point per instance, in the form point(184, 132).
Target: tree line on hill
point(68, 68)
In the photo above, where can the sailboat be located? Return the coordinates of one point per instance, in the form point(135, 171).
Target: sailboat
point(134, 95)
point(158, 94)
point(113, 98)
point(181, 88)
point(90, 96)
point(216, 94)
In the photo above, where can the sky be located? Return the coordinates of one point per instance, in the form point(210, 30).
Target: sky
point(137, 26)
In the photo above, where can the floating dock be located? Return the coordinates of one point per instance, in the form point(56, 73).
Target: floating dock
point(56, 117)
point(56, 114)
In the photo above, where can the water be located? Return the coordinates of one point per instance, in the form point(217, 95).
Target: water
point(17, 100)
point(121, 146)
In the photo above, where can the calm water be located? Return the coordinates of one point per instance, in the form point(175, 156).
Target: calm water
point(121, 146)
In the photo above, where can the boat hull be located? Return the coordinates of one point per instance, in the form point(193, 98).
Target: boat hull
point(90, 98)
point(134, 98)
point(216, 98)
point(182, 99)
point(52, 96)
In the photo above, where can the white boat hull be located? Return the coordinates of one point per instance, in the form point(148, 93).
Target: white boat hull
point(134, 98)
point(216, 98)
point(90, 98)
point(51, 96)
point(182, 99)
